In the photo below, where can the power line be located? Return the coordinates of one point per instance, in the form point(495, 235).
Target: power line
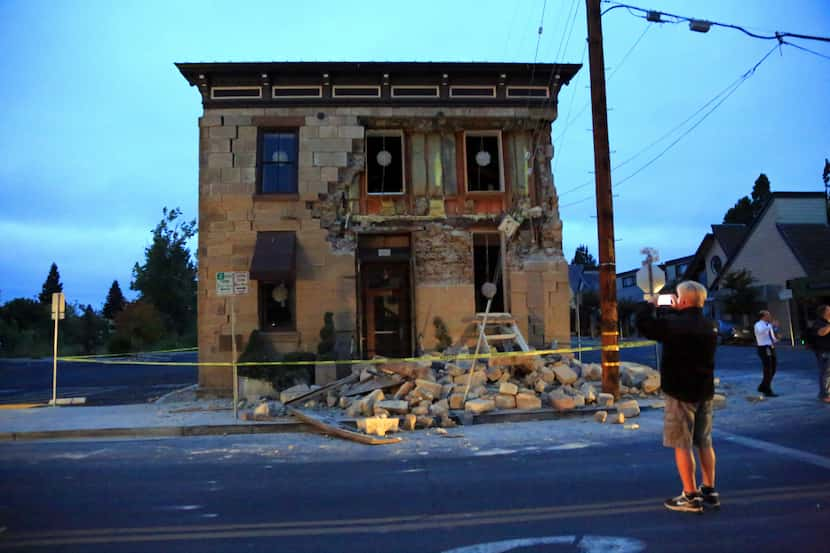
point(805, 49)
point(743, 79)
point(725, 93)
point(656, 17)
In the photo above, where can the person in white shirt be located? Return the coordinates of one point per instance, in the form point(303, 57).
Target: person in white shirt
point(765, 340)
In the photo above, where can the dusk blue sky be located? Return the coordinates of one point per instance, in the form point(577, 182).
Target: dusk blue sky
point(99, 129)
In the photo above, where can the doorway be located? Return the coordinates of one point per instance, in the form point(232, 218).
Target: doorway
point(487, 267)
point(385, 295)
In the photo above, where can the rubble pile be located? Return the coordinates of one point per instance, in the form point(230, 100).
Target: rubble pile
point(386, 397)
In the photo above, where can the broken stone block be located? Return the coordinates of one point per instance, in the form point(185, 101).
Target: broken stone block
point(528, 401)
point(532, 378)
point(409, 422)
point(366, 375)
point(378, 425)
point(478, 406)
point(538, 363)
point(446, 390)
point(561, 401)
point(354, 410)
point(420, 410)
point(605, 400)
point(295, 391)
point(592, 372)
point(505, 401)
point(629, 408)
point(719, 401)
point(379, 412)
point(505, 376)
point(440, 408)
point(396, 406)
point(246, 416)
point(548, 376)
point(494, 373)
point(565, 374)
point(454, 370)
point(432, 388)
point(600, 416)
point(331, 400)
point(424, 422)
point(618, 418)
point(579, 400)
point(590, 393)
point(456, 401)
point(447, 422)
point(652, 383)
point(508, 388)
point(634, 426)
point(367, 404)
point(262, 410)
point(405, 388)
point(540, 386)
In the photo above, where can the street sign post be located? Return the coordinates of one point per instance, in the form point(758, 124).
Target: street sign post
point(650, 278)
point(58, 313)
point(786, 295)
point(230, 283)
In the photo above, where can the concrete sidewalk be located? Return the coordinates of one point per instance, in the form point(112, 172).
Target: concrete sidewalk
point(187, 418)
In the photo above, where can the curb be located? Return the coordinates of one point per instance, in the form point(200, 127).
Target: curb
point(158, 431)
point(289, 425)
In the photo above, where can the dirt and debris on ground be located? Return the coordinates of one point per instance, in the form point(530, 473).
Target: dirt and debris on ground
point(394, 396)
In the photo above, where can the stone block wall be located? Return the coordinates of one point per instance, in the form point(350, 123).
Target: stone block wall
point(325, 217)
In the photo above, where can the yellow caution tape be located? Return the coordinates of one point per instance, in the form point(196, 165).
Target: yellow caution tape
point(103, 355)
point(379, 361)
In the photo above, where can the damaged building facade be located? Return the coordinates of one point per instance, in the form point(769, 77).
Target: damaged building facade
point(375, 191)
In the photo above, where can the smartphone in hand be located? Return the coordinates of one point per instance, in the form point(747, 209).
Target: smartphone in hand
point(665, 300)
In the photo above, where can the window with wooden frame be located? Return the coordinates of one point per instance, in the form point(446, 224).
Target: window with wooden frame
point(483, 161)
point(277, 305)
point(384, 162)
point(277, 164)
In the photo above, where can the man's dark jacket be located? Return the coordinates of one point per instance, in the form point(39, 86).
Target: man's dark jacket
point(821, 344)
point(689, 341)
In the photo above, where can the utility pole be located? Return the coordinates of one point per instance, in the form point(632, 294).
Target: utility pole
point(605, 208)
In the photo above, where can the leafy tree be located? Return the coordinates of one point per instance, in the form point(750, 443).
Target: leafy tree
point(52, 285)
point(139, 325)
point(583, 257)
point(115, 301)
point(24, 328)
point(167, 278)
point(743, 298)
point(92, 328)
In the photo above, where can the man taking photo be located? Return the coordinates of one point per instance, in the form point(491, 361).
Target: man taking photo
point(687, 377)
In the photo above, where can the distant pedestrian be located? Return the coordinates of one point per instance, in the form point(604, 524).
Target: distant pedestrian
point(820, 342)
point(765, 339)
point(687, 377)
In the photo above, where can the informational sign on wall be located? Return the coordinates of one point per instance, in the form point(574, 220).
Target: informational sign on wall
point(230, 283)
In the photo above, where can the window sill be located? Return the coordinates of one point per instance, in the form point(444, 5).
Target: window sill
point(276, 197)
point(485, 193)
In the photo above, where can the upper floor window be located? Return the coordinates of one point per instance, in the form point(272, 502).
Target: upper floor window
point(384, 162)
point(278, 162)
point(628, 281)
point(716, 264)
point(483, 161)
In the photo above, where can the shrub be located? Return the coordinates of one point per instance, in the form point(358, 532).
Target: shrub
point(259, 348)
point(442, 334)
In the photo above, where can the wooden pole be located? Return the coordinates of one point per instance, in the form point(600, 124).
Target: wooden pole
point(605, 207)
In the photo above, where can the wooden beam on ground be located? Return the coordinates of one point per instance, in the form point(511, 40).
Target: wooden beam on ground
point(314, 393)
point(333, 428)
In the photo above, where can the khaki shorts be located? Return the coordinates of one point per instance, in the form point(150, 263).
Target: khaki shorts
point(687, 424)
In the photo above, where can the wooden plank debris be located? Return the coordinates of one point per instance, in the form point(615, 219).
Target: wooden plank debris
point(333, 427)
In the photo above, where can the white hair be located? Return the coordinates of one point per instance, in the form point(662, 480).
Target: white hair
point(695, 291)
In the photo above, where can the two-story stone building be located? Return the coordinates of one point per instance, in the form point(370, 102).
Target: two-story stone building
point(375, 191)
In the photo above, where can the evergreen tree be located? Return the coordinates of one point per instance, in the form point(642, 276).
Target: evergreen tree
point(760, 194)
point(52, 285)
point(167, 278)
point(745, 209)
point(115, 301)
point(583, 257)
point(743, 297)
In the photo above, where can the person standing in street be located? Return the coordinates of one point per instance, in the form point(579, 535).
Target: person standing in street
point(821, 347)
point(687, 377)
point(765, 340)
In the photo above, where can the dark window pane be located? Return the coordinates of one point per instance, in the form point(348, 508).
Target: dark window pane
point(276, 309)
point(279, 179)
point(384, 179)
point(279, 163)
point(340, 91)
point(483, 169)
point(236, 92)
point(467, 92)
point(312, 92)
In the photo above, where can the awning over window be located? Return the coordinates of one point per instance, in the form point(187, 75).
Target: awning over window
point(274, 256)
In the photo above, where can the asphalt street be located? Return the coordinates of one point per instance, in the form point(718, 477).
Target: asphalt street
point(30, 380)
point(547, 486)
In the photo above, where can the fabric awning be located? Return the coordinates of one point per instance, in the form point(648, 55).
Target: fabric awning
point(274, 256)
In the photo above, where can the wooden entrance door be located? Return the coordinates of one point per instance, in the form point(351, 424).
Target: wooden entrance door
point(386, 309)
